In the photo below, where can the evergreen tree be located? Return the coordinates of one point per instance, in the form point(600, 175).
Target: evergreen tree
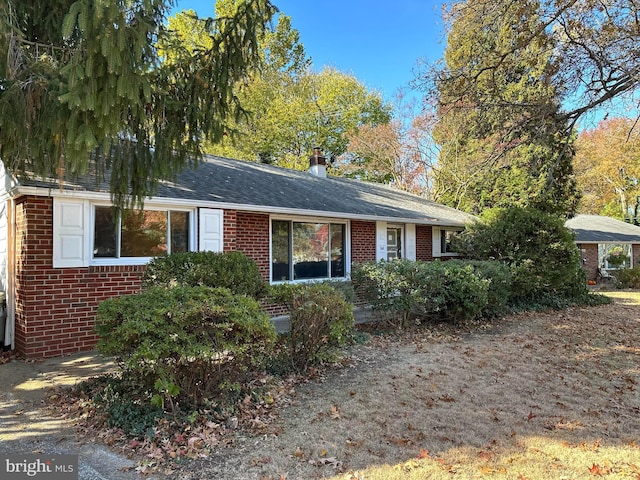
point(84, 79)
point(500, 128)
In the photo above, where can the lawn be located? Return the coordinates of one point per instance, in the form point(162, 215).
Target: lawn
point(533, 396)
point(629, 297)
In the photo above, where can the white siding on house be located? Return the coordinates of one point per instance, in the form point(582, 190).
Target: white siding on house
point(436, 242)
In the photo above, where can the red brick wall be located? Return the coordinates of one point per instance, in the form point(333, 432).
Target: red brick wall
point(363, 241)
point(589, 254)
point(424, 243)
point(635, 254)
point(55, 308)
point(253, 239)
point(230, 227)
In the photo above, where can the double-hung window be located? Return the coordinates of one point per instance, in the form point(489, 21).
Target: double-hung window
point(303, 250)
point(139, 233)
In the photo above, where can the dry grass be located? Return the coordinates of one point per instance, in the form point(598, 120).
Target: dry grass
point(537, 396)
point(629, 297)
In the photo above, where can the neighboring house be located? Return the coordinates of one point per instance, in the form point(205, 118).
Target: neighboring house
point(62, 251)
point(599, 237)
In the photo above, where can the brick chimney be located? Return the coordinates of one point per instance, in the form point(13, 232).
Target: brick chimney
point(317, 163)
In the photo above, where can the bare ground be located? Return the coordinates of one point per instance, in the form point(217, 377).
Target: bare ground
point(538, 395)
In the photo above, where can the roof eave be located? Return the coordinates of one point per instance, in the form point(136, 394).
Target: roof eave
point(106, 197)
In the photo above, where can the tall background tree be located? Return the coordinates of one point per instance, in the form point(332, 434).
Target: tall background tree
point(607, 166)
point(500, 124)
point(85, 79)
point(400, 152)
point(292, 108)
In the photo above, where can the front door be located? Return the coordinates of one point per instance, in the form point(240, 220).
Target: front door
point(394, 243)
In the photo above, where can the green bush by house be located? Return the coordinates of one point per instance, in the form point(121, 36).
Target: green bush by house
point(320, 320)
point(203, 340)
point(444, 290)
point(232, 270)
point(538, 249)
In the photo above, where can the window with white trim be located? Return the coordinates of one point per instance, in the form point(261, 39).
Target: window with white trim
point(139, 233)
point(446, 239)
point(305, 250)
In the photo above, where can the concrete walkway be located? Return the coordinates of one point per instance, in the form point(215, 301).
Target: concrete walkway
point(28, 428)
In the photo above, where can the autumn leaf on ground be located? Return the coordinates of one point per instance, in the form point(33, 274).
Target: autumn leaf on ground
point(407, 466)
point(424, 453)
point(331, 461)
point(334, 412)
point(596, 469)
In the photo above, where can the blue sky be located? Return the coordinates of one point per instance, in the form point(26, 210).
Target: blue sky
point(379, 42)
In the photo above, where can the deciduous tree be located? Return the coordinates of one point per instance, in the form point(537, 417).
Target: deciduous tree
point(400, 152)
point(608, 169)
point(292, 108)
point(591, 47)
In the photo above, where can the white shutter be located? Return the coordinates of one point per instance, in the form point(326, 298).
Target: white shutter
point(69, 233)
point(381, 241)
point(410, 241)
point(437, 251)
point(211, 224)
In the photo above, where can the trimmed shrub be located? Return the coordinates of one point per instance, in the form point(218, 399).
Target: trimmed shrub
point(320, 321)
point(201, 340)
point(448, 290)
point(627, 277)
point(539, 250)
point(387, 287)
point(445, 290)
point(498, 277)
point(232, 270)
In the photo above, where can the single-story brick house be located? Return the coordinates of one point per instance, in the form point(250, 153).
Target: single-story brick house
point(62, 251)
point(597, 236)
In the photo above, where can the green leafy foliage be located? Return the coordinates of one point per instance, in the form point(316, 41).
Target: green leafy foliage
point(232, 270)
point(387, 287)
point(627, 277)
point(203, 339)
point(402, 288)
point(122, 403)
point(498, 276)
point(320, 321)
point(538, 249)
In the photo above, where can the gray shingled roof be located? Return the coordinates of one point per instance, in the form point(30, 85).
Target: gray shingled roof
point(247, 185)
point(600, 229)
